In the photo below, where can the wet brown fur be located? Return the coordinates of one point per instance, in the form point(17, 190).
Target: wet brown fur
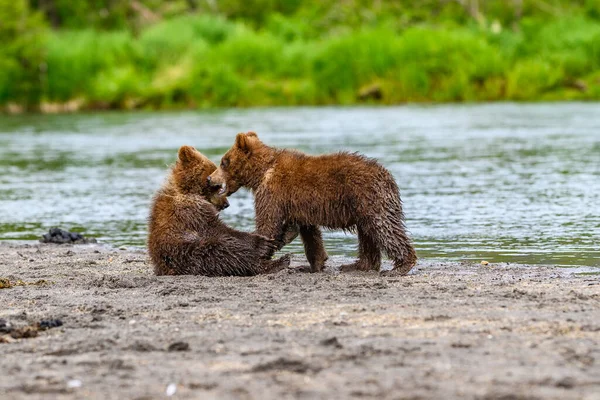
point(337, 191)
point(186, 236)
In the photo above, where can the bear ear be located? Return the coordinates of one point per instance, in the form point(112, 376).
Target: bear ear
point(247, 141)
point(188, 154)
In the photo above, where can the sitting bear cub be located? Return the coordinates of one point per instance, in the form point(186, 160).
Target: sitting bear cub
point(337, 191)
point(186, 236)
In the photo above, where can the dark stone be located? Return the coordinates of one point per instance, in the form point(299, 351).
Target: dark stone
point(178, 346)
point(333, 341)
point(75, 236)
point(284, 364)
point(142, 346)
point(5, 326)
point(566, 383)
point(59, 236)
point(50, 323)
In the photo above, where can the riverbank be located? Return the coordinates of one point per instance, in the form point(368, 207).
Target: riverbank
point(314, 55)
point(448, 330)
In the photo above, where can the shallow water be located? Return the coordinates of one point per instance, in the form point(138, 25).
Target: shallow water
point(503, 182)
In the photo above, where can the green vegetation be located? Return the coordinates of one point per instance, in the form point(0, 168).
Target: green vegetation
point(61, 55)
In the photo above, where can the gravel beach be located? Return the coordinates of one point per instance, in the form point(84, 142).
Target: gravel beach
point(447, 330)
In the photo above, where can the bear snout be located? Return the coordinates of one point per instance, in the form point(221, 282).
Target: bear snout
point(214, 183)
point(220, 202)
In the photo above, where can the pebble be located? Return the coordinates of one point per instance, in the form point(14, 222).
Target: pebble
point(171, 389)
point(50, 323)
point(74, 383)
point(5, 326)
point(178, 346)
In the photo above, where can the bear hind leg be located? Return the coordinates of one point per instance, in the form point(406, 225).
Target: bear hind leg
point(398, 246)
point(369, 253)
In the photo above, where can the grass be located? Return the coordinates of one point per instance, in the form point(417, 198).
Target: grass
point(208, 61)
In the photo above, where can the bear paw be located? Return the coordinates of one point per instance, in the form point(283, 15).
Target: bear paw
point(355, 266)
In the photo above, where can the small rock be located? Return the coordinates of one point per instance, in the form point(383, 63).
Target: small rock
point(438, 318)
point(60, 236)
point(74, 383)
point(74, 236)
point(284, 364)
point(566, 383)
point(178, 346)
point(142, 346)
point(460, 345)
point(120, 364)
point(5, 326)
point(50, 323)
point(484, 262)
point(332, 341)
point(171, 389)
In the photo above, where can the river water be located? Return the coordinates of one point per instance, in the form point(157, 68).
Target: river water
point(500, 182)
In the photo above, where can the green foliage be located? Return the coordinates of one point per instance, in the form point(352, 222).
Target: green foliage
point(415, 64)
point(217, 85)
point(571, 43)
point(75, 59)
point(531, 78)
point(201, 53)
point(22, 34)
point(115, 86)
point(83, 14)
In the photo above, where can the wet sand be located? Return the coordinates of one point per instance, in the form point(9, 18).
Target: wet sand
point(448, 330)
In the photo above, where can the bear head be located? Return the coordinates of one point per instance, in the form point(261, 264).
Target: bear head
point(190, 176)
point(242, 165)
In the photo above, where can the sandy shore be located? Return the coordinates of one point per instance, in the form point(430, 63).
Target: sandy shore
point(448, 330)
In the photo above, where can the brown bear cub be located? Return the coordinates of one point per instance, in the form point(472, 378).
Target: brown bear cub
point(337, 191)
point(186, 236)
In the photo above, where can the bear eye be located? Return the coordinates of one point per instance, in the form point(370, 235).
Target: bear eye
point(224, 163)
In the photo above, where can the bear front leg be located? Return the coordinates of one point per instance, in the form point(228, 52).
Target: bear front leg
point(290, 232)
point(272, 266)
point(266, 247)
point(313, 247)
point(272, 226)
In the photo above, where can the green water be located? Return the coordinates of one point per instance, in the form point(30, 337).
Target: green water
point(504, 182)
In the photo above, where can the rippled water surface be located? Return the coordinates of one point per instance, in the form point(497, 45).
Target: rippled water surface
point(508, 182)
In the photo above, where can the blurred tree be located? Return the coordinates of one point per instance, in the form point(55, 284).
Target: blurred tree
point(113, 51)
point(22, 67)
point(110, 14)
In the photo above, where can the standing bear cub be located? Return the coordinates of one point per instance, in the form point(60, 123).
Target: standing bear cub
point(337, 191)
point(186, 236)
